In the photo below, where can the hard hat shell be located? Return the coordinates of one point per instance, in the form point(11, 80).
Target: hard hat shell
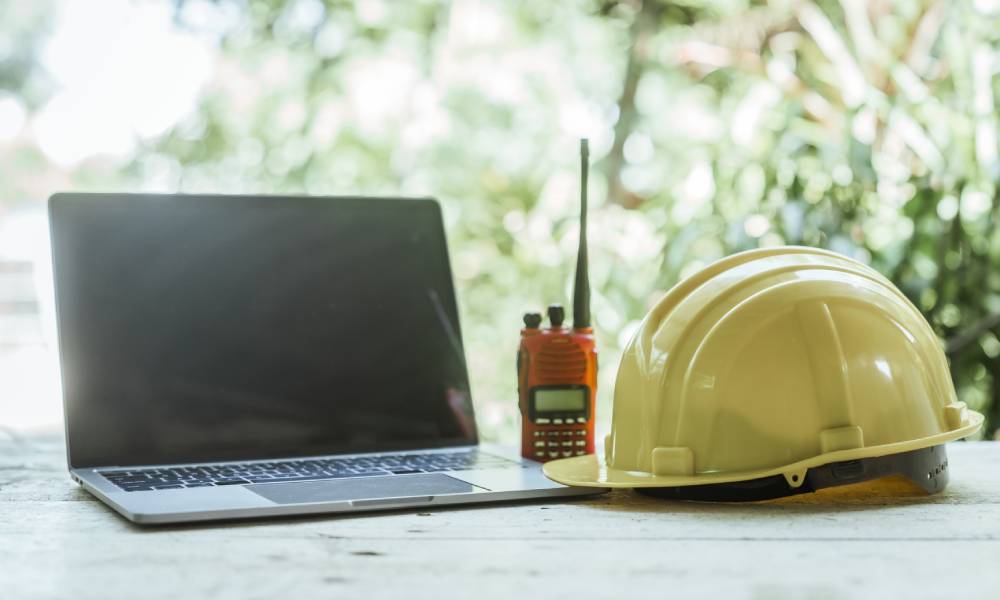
point(772, 362)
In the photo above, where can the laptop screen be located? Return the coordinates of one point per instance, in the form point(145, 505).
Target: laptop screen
point(203, 328)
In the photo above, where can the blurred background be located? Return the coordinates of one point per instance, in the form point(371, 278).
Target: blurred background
point(866, 127)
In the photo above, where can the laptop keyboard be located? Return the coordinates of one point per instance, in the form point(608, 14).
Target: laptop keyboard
point(168, 478)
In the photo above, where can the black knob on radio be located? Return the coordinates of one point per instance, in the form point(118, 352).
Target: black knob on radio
point(556, 315)
point(532, 320)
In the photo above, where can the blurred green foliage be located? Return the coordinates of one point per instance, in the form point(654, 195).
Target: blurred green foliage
point(717, 125)
point(22, 35)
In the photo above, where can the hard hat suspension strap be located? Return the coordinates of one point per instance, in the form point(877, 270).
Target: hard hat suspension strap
point(927, 467)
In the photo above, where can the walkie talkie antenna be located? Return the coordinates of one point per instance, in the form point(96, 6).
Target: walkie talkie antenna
point(581, 287)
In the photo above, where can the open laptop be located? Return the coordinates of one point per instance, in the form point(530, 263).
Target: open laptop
point(246, 356)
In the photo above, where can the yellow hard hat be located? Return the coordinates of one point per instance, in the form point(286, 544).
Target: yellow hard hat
point(773, 372)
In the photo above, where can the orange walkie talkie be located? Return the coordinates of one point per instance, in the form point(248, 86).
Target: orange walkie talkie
point(557, 367)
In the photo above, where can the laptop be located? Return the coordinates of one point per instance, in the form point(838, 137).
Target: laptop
point(248, 356)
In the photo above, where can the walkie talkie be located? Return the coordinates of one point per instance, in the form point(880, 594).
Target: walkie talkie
point(557, 366)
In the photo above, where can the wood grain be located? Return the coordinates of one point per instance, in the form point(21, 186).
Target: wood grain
point(880, 540)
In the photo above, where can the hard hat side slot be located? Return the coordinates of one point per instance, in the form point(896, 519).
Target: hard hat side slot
point(673, 461)
point(841, 438)
point(956, 415)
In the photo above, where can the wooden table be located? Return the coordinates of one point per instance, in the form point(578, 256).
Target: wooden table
point(57, 541)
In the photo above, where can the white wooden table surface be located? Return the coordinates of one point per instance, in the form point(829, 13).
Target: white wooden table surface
point(57, 541)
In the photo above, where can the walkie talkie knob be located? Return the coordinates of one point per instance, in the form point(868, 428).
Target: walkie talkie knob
point(532, 320)
point(556, 315)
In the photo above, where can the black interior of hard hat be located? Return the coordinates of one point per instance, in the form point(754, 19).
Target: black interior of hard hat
point(927, 467)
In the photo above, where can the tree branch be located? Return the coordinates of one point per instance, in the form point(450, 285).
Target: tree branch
point(957, 343)
point(641, 30)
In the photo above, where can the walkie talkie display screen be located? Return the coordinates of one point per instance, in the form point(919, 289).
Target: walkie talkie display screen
point(560, 400)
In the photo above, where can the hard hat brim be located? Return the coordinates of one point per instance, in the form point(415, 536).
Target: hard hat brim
point(592, 471)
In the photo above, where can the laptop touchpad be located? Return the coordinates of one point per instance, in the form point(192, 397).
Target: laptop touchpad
point(423, 486)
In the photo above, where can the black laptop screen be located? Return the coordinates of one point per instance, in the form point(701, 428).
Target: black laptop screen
point(201, 328)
